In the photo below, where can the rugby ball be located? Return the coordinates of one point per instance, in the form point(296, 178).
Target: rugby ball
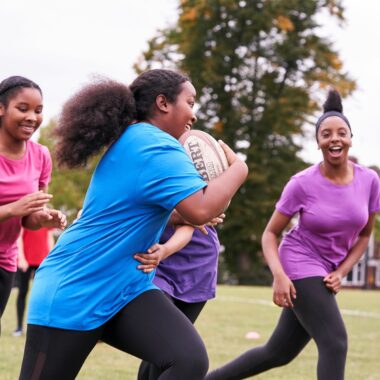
point(205, 152)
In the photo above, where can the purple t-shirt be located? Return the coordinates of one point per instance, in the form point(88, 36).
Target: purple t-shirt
point(190, 274)
point(330, 219)
point(17, 179)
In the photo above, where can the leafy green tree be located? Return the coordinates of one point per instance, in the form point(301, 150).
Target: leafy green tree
point(260, 67)
point(68, 186)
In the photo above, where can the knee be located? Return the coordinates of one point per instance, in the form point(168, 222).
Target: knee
point(201, 363)
point(281, 358)
point(193, 365)
point(337, 345)
point(340, 344)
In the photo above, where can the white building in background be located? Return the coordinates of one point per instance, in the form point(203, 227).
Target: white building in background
point(366, 273)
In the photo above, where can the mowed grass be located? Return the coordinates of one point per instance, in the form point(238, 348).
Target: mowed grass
point(223, 325)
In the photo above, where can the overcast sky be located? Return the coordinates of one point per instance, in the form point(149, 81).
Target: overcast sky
point(60, 44)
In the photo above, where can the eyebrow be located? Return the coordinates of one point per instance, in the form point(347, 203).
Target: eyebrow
point(27, 104)
point(339, 128)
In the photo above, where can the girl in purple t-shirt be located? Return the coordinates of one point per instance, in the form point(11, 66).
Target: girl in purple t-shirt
point(336, 201)
point(25, 169)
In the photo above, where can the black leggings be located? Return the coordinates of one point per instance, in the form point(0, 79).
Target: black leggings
point(23, 287)
point(6, 282)
point(149, 371)
point(150, 327)
point(315, 315)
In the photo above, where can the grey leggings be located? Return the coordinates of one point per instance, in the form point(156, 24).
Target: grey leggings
point(315, 316)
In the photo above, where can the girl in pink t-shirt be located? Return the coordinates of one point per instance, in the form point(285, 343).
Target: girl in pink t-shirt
point(25, 169)
point(336, 201)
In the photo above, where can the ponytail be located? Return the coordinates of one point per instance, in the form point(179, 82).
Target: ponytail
point(332, 107)
point(92, 119)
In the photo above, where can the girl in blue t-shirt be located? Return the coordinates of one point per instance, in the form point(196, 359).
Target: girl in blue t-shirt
point(89, 287)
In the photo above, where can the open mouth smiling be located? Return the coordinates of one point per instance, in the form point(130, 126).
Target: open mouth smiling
point(335, 150)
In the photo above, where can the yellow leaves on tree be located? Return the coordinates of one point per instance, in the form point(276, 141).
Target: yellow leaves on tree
point(189, 15)
point(334, 61)
point(218, 126)
point(284, 23)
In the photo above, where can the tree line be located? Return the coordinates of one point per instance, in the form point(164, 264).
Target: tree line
point(261, 68)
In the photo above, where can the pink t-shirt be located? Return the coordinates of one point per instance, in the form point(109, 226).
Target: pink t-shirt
point(330, 219)
point(17, 179)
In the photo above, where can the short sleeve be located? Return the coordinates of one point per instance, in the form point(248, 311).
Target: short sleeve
point(169, 176)
point(292, 198)
point(374, 199)
point(46, 168)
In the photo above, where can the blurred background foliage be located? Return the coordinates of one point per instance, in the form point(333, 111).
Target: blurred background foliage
point(261, 69)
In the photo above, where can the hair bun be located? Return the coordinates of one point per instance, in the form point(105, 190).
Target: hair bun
point(333, 102)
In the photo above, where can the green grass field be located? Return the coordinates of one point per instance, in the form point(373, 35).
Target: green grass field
point(223, 326)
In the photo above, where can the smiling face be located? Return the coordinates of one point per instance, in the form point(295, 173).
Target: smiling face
point(22, 116)
point(181, 116)
point(334, 139)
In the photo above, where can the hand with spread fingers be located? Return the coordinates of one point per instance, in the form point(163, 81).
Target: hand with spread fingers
point(49, 218)
point(230, 154)
point(53, 218)
point(150, 260)
point(217, 220)
point(212, 223)
point(26, 205)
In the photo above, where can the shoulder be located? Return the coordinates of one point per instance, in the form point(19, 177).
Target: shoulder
point(368, 178)
point(38, 149)
point(301, 179)
point(151, 134)
point(146, 140)
point(364, 171)
point(304, 175)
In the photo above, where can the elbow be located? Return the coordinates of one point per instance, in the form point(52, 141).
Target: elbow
point(29, 224)
point(198, 217)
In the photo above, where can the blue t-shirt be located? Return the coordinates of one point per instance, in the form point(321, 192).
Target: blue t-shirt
point(91, 273)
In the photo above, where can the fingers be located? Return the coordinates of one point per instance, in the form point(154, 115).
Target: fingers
point(293, 292)
point(215, 221)
point(147, 269)
point(284, 299)
point(334, 286)
point(283, 302)
point(35, 202)
point(230, 154)
point(38, 198)
point(154, 248)
point(203, 229)
point(53, 218)
point(30, 203)
point(333, 282)
point(59, 218)
point(148, 261)
point(145, 258)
